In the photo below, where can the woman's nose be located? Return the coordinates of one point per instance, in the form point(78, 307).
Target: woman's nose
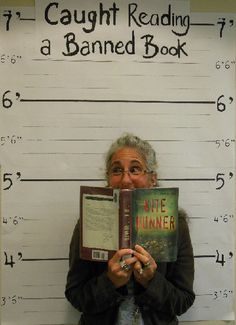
point(126, 181)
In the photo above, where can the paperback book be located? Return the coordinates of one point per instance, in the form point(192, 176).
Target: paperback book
point(111, 219)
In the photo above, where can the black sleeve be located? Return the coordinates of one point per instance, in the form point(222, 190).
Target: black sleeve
point(88, 288)
point(171, 289)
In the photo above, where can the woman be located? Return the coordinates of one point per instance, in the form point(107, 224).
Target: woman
point(132, 288)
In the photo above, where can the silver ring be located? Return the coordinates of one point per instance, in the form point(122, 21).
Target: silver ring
point(147, 265)
point(124, 266)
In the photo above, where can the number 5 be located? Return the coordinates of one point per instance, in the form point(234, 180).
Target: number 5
point(220, 179)
point(8, 179)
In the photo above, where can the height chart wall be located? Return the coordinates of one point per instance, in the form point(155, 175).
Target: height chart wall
point(74, 76)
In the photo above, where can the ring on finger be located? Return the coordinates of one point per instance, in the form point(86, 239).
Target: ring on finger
point(124, 266)
point(147, 265)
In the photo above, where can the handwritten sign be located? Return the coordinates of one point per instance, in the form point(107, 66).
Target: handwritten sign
point(114, 30)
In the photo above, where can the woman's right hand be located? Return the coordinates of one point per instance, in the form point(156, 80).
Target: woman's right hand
point(118, 274)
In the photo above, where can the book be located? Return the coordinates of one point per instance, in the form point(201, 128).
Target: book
point(111, 219)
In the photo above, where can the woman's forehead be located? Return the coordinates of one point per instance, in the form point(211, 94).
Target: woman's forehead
point(127, 154)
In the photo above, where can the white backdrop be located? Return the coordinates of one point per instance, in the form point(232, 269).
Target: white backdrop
point(59, 114)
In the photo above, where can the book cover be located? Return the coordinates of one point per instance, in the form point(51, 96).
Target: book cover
point(155, 221)
point(111, 219)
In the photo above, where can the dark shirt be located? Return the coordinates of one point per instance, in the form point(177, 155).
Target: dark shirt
point(169, 293)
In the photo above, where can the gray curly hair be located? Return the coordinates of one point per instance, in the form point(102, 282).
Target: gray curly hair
point(132, 141)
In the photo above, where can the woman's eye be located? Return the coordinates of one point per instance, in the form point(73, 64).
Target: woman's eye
point(117, 170)
point(136, 170)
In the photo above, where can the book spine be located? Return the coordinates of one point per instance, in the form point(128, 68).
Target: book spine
point(125, 216)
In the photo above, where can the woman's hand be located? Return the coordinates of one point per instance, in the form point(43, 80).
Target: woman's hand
point(145, 267)
point(120, 267)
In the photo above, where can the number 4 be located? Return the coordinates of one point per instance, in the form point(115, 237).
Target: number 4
point(9, 261)
point(218, 260)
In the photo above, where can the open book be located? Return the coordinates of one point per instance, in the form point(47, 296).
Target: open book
point(111, 219)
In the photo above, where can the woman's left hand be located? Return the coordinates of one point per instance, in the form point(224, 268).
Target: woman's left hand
point(145, 268)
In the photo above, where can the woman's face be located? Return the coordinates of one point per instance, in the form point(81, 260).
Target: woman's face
point(128, 160)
